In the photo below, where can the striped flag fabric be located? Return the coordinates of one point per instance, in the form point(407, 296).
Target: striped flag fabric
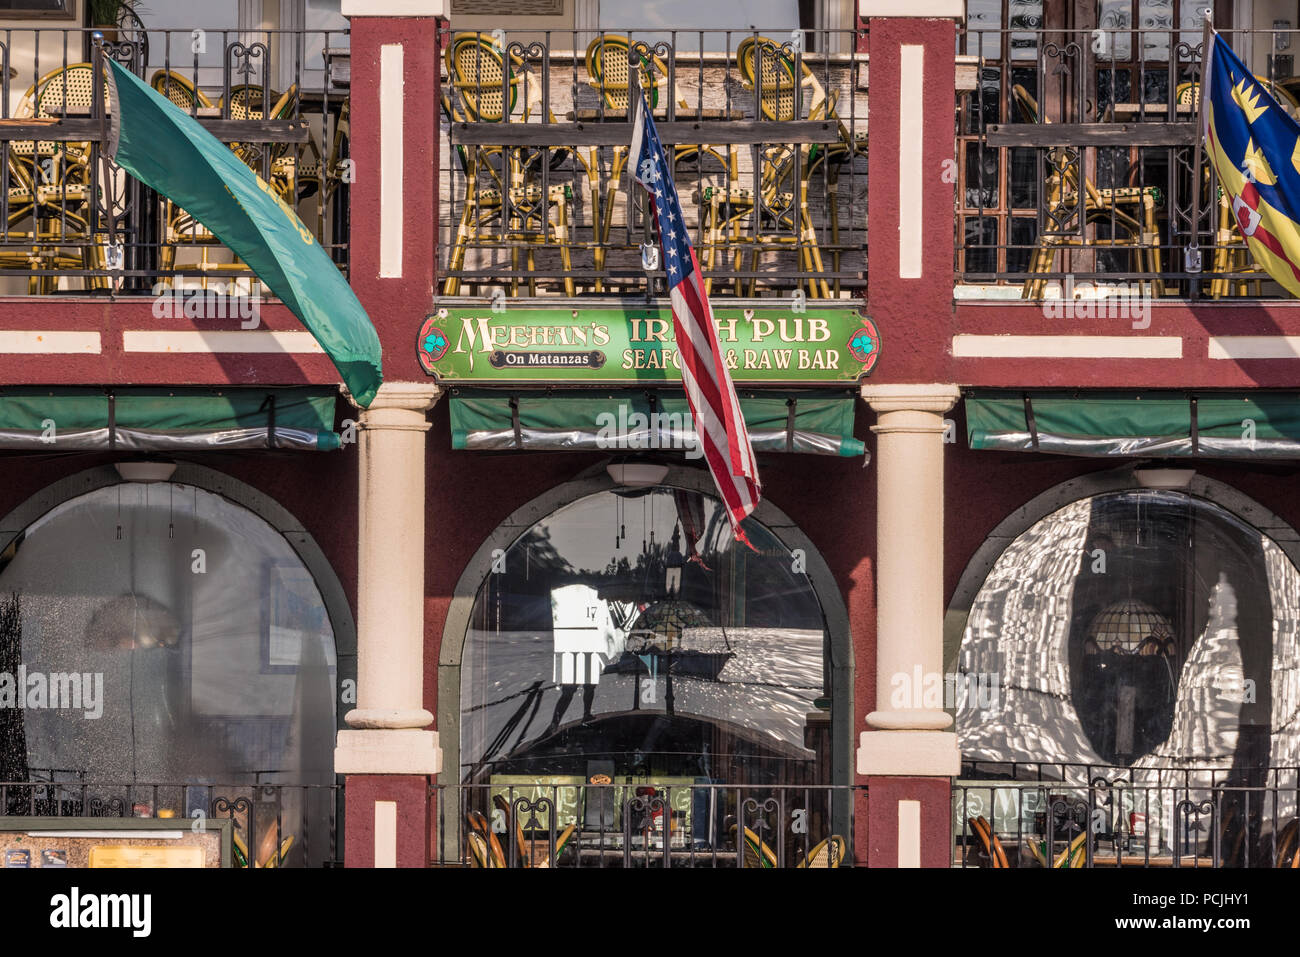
point(719, 425)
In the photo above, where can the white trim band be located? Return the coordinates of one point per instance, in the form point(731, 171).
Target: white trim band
point(267, 341)
point(911, 155)
point(24, 342)
point(392, 106)
point(1254, 347)
point(1067, 347)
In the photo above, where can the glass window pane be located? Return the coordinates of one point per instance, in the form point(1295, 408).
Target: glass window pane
point(1115, 21)
point(1024, 233)
point(984, 104)
point(1024, 178)
point(1113, 86)
point(981, 244)
point(1156, 20)
point(629, 630)
point(984, 28)
point(982, 165)
point(1026, 15)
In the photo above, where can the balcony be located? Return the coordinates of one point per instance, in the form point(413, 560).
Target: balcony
point(1075, 161)
point(766, 137)
point(1076, 816)
point(573, 824)
point(77, 224)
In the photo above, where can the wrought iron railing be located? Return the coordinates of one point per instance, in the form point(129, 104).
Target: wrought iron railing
point(1075, 154)
point(73, 223)
point(644, 825)
point(1077, 817)
point(273, 825)
point(766, 134)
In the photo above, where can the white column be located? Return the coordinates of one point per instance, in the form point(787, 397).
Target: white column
point(909, 464)
point(390, 715)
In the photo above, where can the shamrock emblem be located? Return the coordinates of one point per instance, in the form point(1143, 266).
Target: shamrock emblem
point(434, 344)
point(865, 345)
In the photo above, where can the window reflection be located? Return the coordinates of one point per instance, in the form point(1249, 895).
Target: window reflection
point(628, 635)
point(1143, 629)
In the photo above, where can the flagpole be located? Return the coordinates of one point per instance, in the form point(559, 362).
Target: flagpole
point(1192, 252)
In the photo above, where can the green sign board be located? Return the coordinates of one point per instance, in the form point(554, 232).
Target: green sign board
point(773, 344)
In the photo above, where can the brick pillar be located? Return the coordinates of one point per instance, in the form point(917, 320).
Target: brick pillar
point(389, 754)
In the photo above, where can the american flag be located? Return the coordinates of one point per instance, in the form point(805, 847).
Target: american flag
point(715, 407)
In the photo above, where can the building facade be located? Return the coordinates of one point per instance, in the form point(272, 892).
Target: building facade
point(1021, 585)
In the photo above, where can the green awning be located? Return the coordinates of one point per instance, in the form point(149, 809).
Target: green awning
point(1159, 424)
point(816, 422)
point(162, 419)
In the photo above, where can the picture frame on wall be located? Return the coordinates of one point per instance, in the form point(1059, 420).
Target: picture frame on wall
point(291, 615)
point(38, 9)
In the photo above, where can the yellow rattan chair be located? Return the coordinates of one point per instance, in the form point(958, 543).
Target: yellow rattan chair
point(609, 73)
point(1127, 208)
point(784, 173)
point(57, 178)
point(501, 181)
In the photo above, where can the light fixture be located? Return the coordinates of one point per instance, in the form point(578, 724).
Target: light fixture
point(145, 470)
point(1176, 479)
point(636, 474)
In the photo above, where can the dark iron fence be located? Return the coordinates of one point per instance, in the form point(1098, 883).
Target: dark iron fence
point(765, 133)
point(1074, 816)
point(620, 826)
point(74, 222)
point(274, 825)
point(1075, 153)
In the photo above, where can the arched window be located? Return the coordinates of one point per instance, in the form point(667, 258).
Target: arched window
point(1138, 629)
point(627, 635)
point(163, 634)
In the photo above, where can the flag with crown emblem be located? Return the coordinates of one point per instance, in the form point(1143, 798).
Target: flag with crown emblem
point(1254, 144)
point(715, 407)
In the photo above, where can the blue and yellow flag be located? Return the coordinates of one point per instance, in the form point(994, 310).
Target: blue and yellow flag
point(1254, 144)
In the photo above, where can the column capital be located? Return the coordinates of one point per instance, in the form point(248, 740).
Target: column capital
point(912, 9)
point(930, 397)
point(401, 405)
point(395, 8)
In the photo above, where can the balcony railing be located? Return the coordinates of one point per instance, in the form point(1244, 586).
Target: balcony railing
point(273, 825)
point(630, 825)
point(1085, 817)
point(766, 135)
point(74, 224)
point(1075, 155)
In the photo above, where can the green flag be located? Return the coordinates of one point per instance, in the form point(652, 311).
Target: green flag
point(169, 151)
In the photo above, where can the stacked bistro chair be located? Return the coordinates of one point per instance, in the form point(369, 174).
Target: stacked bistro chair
point(247, 102)
point(783, 175)
point(777, 102)
point(1131, 209)
point(609, 72)
point(504, 182)
point(51, 183)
